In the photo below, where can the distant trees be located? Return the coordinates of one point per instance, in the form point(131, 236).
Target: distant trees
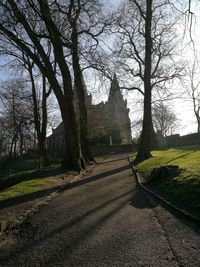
point(35, 85)
point(16, 132)
point(191, 83)
point(164, 119)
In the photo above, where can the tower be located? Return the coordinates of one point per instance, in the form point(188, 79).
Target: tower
point(117, 110)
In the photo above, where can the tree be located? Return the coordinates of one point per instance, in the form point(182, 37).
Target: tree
point(57, 34)
point(22, 63)
point(164, 119)
point(32, 26)
point(39, 113)
point(191, 83)
point(77, 14)
point(145, 51)
point(16, 117)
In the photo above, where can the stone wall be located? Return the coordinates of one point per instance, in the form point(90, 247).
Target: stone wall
point(114, 149)
point(185, 140)
point(97, 150)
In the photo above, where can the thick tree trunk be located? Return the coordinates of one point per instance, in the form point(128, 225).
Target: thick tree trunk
point(71, 156)
point(145, 144)
point(43, 148)
point(43, 156)
point(79, 84)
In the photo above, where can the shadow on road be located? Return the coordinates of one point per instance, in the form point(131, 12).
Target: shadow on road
point(141, 201)
point(42, 193)
point(75, 230)
point(114, 160)
point(81, 233)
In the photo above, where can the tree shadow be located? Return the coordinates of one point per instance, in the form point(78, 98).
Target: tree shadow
point(141, 200)
point(114, 160)
point(75, 239)
point(180, 157)
point(7, 182)
point(42, 193)
point(134, 197)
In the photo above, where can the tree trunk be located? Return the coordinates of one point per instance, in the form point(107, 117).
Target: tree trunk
point(11, 149)
point(71, 155)
point(21, 144)
point(79, 85)
point(145, 144)
point(15, 148)
point(40, 130)
point(43, 152)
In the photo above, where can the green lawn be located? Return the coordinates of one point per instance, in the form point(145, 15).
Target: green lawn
point(26, 188)
point(24, 178)
point(185, 188)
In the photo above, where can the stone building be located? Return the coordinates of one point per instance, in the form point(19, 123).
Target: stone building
point(101, 117)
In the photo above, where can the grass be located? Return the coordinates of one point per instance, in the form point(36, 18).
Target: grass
point(99, 158)
point(25, 188)
point(183, 189)
point(22, 178)
point(25, 177)
point(8, 168)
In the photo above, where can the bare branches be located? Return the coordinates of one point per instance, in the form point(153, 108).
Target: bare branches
point(191, 83)
point(130, 47)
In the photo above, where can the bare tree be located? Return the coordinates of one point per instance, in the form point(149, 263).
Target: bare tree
point(42, 31)
point(16, 116)
point(145, 52)
point(191, 83)
point(39, 112)
point(164, 119)
point(25, 65)
point(52, 38)
point(86, 26)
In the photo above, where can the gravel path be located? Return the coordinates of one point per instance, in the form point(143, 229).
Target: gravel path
point(105, 221)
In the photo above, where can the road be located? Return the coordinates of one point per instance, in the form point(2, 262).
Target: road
point(105, 220)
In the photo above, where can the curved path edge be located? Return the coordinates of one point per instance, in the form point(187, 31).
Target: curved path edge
point(162, 199)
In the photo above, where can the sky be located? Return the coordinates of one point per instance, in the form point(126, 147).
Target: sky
point(182, 108)
point(190, 50)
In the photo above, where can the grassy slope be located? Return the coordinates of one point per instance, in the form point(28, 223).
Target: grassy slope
point(185, 188)
point(26, 172)
point(25, 188)
point(25, 175)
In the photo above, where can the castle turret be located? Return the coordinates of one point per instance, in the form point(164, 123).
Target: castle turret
point(115, 93)
point(117, 108)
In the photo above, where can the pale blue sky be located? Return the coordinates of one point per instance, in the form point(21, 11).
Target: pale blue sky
point(182, 108)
